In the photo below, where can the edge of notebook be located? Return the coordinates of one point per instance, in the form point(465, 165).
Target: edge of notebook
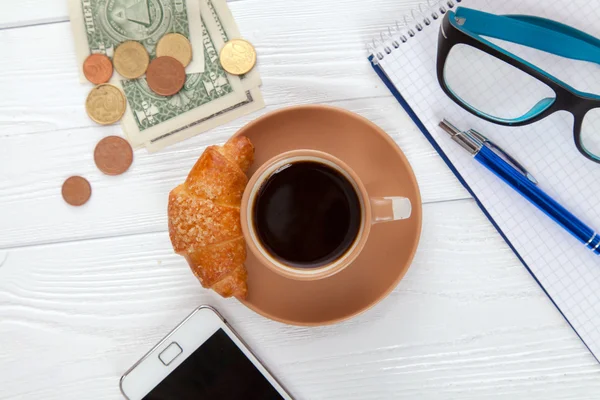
point(382, 75)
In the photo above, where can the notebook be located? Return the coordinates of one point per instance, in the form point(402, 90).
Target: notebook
point(404, 56)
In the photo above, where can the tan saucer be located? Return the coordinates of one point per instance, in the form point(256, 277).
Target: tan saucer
point(384, 170)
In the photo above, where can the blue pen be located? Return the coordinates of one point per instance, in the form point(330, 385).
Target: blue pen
point(520, 180)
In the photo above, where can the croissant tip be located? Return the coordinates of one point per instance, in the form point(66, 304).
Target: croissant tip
point(243, 296)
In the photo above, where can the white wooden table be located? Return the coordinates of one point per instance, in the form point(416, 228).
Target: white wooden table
point(84, 292)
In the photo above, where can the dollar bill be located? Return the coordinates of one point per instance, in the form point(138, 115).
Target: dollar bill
point(253, 102)
point(224, 22)
point(207, 100)
point(99, 26)
point(150, 115)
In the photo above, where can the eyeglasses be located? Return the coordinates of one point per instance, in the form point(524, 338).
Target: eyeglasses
point(502, 88)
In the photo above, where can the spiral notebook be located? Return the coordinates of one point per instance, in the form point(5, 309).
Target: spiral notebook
point(404, 56)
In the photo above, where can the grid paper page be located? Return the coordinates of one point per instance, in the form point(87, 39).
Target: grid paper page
point(567, 270)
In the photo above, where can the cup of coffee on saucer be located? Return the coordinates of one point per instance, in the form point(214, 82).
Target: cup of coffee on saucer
point(318, 248)
point(306, 215)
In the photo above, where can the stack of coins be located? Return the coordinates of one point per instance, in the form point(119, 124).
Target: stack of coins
point(165, 75)
point(106, 103)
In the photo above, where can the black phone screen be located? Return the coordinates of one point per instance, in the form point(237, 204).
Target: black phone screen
point(217, 370)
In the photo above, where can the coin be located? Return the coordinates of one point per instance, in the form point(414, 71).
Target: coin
point(97, 68)
point(131, 59)
point(177, 46)
point(165, 76)
point(113, 155)
point(238, 57)
point(105, 104)
point(76, 191)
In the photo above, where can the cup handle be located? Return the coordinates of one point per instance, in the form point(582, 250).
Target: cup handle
point(385, 209)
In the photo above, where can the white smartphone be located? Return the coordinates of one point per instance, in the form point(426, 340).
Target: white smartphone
point(202, 358)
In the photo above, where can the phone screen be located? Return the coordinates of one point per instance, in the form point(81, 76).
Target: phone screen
point(216, 370)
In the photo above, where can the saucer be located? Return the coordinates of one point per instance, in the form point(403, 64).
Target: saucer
point(391, 246)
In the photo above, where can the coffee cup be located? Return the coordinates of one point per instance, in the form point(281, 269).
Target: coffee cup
point(306, 214)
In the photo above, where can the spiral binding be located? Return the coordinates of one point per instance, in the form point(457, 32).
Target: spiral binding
point(400, 33)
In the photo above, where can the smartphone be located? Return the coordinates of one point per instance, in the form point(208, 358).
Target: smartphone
point(202, 358)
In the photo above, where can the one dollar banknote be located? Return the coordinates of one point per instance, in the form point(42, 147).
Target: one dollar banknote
point(207, 99)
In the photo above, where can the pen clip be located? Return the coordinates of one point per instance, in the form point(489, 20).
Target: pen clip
point(497, 149)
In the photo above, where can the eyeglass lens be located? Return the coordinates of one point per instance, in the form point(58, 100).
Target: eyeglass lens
point(590, 133)
point(491, 86)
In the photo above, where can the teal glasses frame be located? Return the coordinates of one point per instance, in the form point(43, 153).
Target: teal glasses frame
point(467, 26)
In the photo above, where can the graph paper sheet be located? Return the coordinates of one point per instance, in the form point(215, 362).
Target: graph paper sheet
point(567, 270)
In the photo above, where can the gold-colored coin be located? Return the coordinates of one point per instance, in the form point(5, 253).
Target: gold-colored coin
point(105, 104)
point(238, 57)
point(131, 59)
point(177, 46)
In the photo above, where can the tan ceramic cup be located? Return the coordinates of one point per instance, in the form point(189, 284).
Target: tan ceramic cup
point(374, 210)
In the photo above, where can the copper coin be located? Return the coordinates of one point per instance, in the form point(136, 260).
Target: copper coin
point(97, 68)
point(76, 191)
point(165, 76)
point(113, 155)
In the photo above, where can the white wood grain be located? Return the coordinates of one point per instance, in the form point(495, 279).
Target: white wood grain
point(35, 166)
point(35, 12)
point(32, 12)
point(467, 322)
point(47, 135)
point(85, 292)
point(298, 62)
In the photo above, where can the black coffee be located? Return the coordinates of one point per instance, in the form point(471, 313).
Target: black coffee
point(307, 214)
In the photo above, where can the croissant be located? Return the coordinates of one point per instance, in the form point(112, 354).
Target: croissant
point(204, 217)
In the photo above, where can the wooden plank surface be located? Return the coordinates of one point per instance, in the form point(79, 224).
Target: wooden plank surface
point(306, 65)
point(36, 12)
point(35, 166)
point(32, 12)
point(47, 137)
point(467, 322)
point(85, 292)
